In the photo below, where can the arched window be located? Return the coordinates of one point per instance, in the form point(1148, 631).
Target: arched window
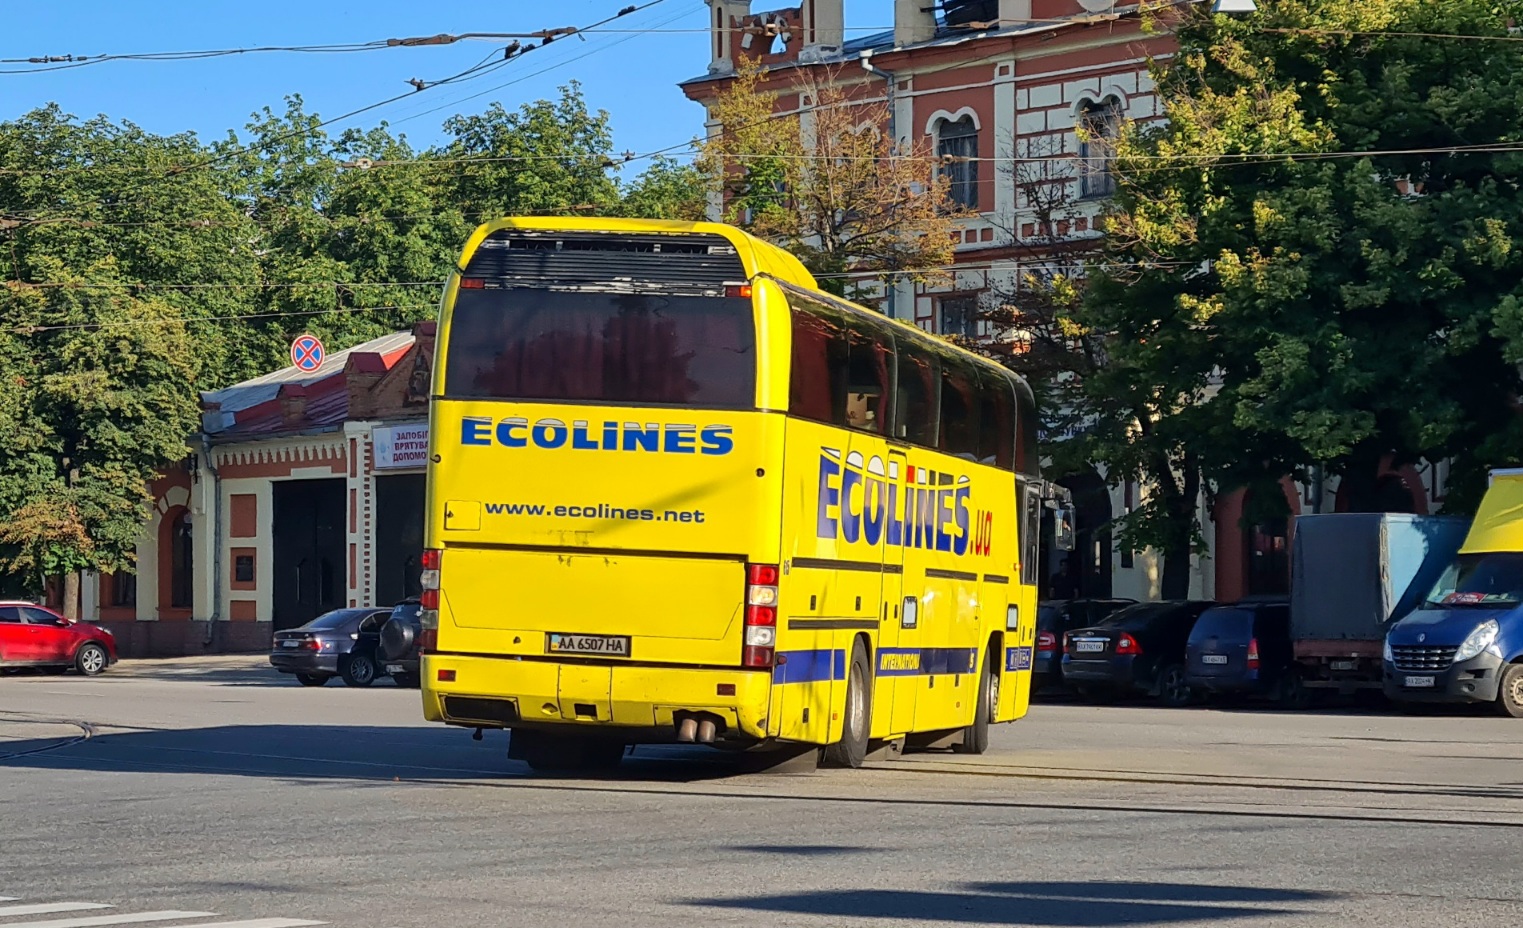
point(1101, 125)
point(182, 590)
point(958, 140)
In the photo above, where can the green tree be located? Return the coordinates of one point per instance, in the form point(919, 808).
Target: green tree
point(1280, 304)
point(666, 190)
point(547, 157)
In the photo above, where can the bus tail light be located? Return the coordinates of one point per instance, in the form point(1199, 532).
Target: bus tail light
point(761, 615)
point(428, 617)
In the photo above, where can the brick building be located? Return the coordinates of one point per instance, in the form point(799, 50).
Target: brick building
point(1023, 98)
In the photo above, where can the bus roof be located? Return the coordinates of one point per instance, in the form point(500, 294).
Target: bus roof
point(756, 256)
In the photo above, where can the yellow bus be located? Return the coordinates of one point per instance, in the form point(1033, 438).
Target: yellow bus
point(676, 493)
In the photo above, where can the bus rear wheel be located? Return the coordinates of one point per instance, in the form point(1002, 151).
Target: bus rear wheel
point(547, 752)
point(851, 750)
point(975, 738)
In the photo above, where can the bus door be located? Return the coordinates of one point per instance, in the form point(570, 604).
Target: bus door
point(898, 664)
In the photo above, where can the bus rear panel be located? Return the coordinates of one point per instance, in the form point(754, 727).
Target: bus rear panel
point(600, 480)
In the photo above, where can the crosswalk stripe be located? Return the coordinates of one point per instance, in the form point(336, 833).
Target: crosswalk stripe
point(259, 924)
point(43, 908)
point(93, 921)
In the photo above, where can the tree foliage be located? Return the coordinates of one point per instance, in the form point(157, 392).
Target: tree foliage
point(830, 183)
point(137, 270)
point(1310, 263)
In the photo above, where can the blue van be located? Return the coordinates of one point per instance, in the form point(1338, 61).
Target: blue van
point(1464, 642)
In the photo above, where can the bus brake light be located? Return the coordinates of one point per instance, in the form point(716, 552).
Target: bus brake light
point(761, 615)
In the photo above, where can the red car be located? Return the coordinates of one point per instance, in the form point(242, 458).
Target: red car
point(33, 636)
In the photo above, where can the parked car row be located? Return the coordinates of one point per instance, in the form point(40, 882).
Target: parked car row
point(1181, 652)
point(359, 646)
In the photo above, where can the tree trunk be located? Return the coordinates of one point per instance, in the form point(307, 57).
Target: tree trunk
point(71, 595)
point(1175, 582)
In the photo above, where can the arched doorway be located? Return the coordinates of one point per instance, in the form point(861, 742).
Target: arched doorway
point(177, 559)
point(1084, 572)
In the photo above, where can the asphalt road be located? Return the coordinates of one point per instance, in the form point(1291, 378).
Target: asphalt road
point(212, 793)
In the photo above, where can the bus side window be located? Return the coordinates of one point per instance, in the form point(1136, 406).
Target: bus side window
point(960, 408)
point(917, 412)
point(819, 351)
point(841, 370)
point(997, 440)
point(869, 374)
point(1027, 457)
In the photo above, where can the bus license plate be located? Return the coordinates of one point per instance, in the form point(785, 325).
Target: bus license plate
point(1213, 658)
point(605, 645)
point(1089, 647)
point(1418, 682)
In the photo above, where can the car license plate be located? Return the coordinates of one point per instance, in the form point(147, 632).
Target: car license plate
point(1343, 665)
point(1089, 647)
point(1419, 682)
point(393, 668)
point(1213, 658)
point(289, 644)
point(605, 645)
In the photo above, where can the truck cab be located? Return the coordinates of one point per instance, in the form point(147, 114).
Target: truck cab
point(1464, 642)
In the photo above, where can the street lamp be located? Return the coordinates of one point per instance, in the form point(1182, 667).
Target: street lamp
point(1234, 7)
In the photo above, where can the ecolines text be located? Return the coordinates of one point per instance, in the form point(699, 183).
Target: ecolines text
point(552, 434)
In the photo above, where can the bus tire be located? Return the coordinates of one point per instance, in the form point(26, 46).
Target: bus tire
point(975, 738)
point(851, 750)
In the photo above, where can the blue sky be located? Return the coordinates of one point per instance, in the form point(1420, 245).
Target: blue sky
point(634, 77)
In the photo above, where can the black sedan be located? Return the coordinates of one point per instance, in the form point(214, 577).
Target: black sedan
point(1141, 647)
point(331, 645)
point(1055, 619)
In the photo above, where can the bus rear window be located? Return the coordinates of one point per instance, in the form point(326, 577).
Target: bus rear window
point(580, 347)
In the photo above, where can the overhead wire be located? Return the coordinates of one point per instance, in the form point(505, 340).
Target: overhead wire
point(191, 320)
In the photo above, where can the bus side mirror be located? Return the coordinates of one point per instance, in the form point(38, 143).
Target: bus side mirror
point(1063, 528)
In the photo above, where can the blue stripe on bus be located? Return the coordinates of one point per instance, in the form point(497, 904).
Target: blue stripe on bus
point(809, 666)
point(1017, 658)
point(909, 662)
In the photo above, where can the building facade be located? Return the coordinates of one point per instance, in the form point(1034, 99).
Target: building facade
point(305, 493)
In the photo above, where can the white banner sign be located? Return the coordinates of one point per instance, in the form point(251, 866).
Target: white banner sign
point(399, 446)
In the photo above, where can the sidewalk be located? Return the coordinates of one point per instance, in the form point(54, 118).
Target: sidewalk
point(195, 665)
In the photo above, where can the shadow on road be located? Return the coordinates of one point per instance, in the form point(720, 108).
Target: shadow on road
point(1076, 904)
point(299, 752)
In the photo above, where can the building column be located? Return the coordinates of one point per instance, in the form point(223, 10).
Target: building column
point(359, 491)
point(1004, 148)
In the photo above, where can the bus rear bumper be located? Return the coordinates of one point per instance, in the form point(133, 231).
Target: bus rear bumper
point(502, 692)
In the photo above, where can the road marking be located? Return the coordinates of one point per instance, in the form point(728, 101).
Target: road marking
point(125, 919)
point(259, 923)
point(44, 908)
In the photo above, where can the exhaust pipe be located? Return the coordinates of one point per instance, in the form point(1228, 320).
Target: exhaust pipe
point(687, 730)
point(706, 731)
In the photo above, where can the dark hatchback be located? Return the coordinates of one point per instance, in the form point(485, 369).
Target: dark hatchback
point(1241, 650)
point(330, 646)
point(1057, 618)
point(1141, 647)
